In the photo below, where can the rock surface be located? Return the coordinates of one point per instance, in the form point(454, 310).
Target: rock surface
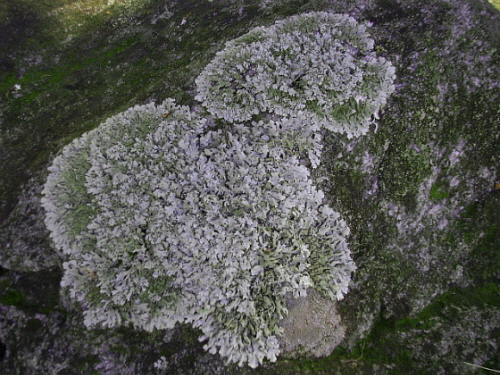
point(420, 192)
point(312, 327)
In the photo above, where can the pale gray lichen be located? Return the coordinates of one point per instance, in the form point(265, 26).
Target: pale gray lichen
point(171, 222)
point(161, 219)
point(320, 63)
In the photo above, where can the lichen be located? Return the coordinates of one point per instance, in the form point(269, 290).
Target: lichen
point(180, 225)
point(446, 103)
point(161, 219)
point(320, 63)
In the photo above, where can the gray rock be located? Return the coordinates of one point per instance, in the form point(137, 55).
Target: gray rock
point(419, 192)
point(312, 327)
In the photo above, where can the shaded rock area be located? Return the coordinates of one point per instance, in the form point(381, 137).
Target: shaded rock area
point(420, 192)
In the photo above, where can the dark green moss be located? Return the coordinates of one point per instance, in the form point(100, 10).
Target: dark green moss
point(487, 294)
point(12, 298)
point(403, 171)
point(386, 344)
point(36, 292)
point(479, 225)
point(82, 365)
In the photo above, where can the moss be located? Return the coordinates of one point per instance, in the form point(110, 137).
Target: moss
point(495, 3)
point(82, 365)
point(12, 298)
point(189, 335)
point(33, 325)
point(388, 340)
point(479, 226)
point(25, 21)
point(438, 192)
point(386, 344)
point(487, 294)
point(36, 292)
point(404, 171)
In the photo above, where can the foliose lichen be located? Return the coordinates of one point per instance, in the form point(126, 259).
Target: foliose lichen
point(320, 63)
point(161, 219)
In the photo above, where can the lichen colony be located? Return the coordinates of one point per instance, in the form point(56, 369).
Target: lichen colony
point(162, 218)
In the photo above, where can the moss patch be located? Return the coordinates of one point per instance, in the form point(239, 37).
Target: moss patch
point(438, 192)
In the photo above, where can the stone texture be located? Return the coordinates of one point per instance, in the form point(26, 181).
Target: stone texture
point(312, 327)
point(419, 192)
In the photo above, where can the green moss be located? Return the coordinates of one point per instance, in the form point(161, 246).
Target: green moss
point(437, 192)
point(385, 345)
point(120, 349)
point(12, 298)
point(35, 292)
point(454, 300)
point(495, 3)
point(404, 169)
point(189, 335)
point(9, 295)
point(84, 364)
point(33, 325)
point(479, 227)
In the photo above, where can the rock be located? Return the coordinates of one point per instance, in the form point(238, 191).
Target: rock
point(312, 327)
point(419, 191)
